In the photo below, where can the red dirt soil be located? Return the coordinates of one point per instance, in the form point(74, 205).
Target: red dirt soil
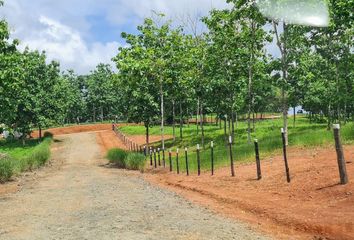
point(108, 139)
point(312, 206)
point(75, 129)
point(105, 136)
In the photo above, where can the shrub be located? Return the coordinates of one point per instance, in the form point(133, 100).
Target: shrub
point(6, 169)
point(117, 157)
point(39, 156)
point(135, 161)
point(48, 135)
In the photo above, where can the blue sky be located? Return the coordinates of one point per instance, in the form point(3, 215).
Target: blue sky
point(82, 33)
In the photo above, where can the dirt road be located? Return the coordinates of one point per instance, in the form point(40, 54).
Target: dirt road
point(84, 199)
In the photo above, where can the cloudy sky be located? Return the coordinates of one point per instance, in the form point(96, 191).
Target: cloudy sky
point(82, 33)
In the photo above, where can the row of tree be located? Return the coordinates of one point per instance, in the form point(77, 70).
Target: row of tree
point(229, 71)
point(168, 74)
point(36, 94)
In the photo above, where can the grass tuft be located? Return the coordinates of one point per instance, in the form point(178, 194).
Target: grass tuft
point(135, 161)
point(117, 157)
point(6, 169)
point(19, 159)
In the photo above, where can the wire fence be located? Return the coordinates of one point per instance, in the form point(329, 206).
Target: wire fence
point(208, 159)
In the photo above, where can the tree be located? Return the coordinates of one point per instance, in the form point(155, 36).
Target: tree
point(139, 101)
point(100, 91)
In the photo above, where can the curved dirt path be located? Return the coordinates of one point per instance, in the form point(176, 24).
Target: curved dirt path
point(87, 200)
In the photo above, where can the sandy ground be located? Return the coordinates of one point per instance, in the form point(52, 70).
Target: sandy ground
point(312, 206)
point(79, 197)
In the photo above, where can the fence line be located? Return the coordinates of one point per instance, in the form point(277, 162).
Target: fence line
point(154, 153)
point(129, 143)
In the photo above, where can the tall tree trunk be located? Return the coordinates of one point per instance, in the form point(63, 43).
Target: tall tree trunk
point(236, 119)
point(283, 50)
point(102, 116)
point(94, 113)
point(329, 117)
point(198, 107)
point(162, 117)
point(345, 113)
point(173, 120)
point(225, 133)
point(250, 82)
point(253, 122)
point(229, 125)
point(202, 123)
point(338, 94)
point(233, 124)
point(285, 116)
point(40, 133)
point(147, 135)
point(294, 117)
point(180, 120)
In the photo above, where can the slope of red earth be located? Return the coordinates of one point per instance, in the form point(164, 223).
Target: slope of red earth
point(312, 206)
point(105, 136)
point(108, 139)
point(76, 129)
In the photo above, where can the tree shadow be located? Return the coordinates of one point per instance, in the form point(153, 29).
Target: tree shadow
point(329, 186)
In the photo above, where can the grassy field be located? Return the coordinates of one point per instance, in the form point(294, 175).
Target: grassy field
point(267, 132)
point(17, 158)
point(15, 149)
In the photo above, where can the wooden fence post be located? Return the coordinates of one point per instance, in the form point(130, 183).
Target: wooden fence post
point(231, 157)
point(163, 158)
point(198, 158)
point(158, 154)
point(212, 157)
point(155, 164)
point(177, 163)
point(150, 156)
point(340, 155)
point(186, 155)
point(258, 161)
point(285, 156)
point(170, 159)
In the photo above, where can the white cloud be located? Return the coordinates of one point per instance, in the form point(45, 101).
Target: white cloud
point(62, 29)
point(174, 9)
point(66, 45)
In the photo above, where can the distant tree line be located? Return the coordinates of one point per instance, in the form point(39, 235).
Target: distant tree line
point(167, 74)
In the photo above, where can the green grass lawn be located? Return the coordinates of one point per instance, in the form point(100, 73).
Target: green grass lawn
point(21, 158)
point(267, 132)
point(15, 149)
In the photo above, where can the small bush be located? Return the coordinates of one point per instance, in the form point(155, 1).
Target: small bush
point(135, 161)
point(117, 157)
point(48, 135)
point(6, 169)
point(39, 156)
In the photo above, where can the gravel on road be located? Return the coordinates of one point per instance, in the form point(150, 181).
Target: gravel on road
point(86, 199)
